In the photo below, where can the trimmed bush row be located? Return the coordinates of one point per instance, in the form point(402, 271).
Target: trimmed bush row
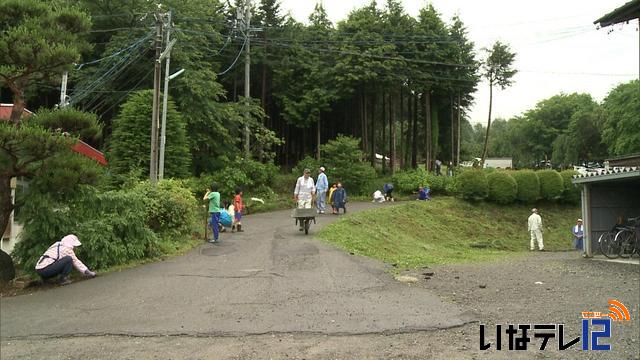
point(502, 187)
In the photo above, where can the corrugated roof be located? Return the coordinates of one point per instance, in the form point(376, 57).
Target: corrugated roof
point(602, 175)
point(626, 12)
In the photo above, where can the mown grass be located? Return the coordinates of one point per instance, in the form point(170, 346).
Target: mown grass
point(448, 230)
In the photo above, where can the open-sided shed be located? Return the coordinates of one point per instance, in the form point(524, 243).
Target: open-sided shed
point(606, 197)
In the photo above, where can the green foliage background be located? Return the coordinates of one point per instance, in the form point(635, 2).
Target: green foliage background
point(129, 146)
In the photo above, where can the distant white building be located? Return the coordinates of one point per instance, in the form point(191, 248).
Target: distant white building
point(499, 163)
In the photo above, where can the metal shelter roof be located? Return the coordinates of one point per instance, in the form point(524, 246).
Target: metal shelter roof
point(626, 173)
point(626, 12)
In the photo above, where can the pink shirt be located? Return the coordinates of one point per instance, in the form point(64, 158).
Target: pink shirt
point(66, 249)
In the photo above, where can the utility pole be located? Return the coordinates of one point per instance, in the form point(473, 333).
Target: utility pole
point(458, 147)
point(63, 89)
point(163, 130)
point(153, 163)
point(247, 73)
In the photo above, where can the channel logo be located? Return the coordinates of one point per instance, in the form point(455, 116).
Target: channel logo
point(618, 312)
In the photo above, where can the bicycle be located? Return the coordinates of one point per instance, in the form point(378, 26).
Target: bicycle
point(628, 238)
point(607, 244)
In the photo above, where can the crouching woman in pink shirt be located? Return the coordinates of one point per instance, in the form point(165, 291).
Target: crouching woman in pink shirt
point(58, 260)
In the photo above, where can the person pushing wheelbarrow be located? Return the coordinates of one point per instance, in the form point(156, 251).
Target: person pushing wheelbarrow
point(304, 195)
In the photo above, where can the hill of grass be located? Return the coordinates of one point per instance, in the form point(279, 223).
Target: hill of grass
point(448, 230)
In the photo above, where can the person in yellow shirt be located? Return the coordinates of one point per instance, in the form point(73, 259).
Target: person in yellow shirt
point(330, 199)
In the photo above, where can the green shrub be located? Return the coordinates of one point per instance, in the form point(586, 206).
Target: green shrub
point(551, 184)
point(249, 175)
point(436, 183)
point(571, 192)
point(528, 186)
point(406, 182)
point(307, 163)
point(472, 185)
point(115, 227)
point(111, 226)
point(502, 187)
point(284, 183)
point(259, 174)
point(171, 209)
point(345, 163)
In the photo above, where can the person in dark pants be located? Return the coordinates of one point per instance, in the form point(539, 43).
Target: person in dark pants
point(214, 209)
point(340, 199)
point(59, 259)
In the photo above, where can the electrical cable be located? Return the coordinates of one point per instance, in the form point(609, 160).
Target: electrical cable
point(79, 66)
point(235, 60)
point(127, 93)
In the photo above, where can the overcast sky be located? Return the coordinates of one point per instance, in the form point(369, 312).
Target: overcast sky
point(558, 47)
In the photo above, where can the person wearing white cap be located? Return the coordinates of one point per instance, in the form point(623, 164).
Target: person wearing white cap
point(578, 235)
point(322, 185)
point(535, 230)
point(58, 260)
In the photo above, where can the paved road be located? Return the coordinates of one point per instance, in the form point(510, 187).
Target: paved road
point(271, 279)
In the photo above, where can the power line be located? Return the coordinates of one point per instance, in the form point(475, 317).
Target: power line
point(127, 93)
point(235, 60)
point(137, 42)
point(84, 89)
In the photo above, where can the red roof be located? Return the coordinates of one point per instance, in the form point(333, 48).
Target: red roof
point(5, 111)
point(80, 147)
point(89, 151)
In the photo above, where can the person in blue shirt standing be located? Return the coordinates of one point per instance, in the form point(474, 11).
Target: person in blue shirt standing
point(578, 235)
point(322, 185)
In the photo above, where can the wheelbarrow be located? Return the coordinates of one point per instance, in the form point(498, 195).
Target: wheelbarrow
point(304, 217)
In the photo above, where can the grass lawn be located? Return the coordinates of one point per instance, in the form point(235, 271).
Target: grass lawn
point(448, 230)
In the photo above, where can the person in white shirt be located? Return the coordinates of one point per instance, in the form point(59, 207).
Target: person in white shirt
point(535, 229)
point(578, 235)
point(305, 190)
point(378, 196)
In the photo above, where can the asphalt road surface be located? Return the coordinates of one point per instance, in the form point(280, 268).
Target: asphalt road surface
point(271, 279)
point(274, 293)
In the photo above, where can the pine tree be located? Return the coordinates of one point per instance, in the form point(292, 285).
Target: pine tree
point(130, 145)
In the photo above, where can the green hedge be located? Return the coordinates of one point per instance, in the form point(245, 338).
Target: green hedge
point(407, 182)
point(551, 184)
point(502, 187)
point(528, 186)
point(472, 185)
point(570, 193)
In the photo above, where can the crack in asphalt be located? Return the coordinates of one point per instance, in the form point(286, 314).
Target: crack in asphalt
point(252, 276)
point(226, 334)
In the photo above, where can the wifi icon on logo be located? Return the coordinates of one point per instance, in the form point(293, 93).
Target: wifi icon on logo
point(618, 312)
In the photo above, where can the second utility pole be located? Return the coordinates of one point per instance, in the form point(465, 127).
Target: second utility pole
point(247, 70)
point(165, 94)
point(153, 163)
